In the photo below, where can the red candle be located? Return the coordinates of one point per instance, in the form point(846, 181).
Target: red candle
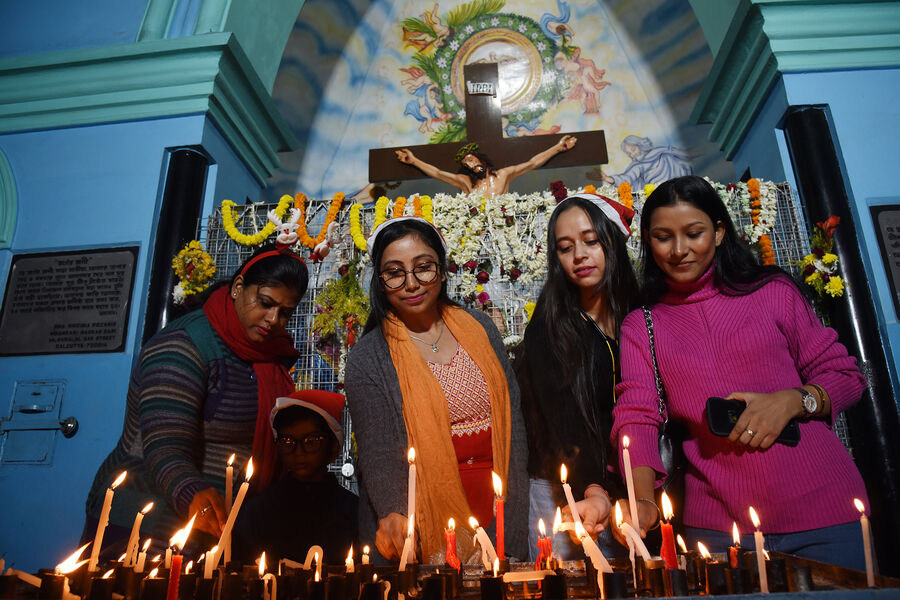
point(667, 550)
point(178, 542)
point(734, 552)
point(450, 535)
point(543, 546)
point(498, 510)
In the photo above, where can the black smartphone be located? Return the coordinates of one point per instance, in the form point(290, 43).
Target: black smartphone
point(723, 413)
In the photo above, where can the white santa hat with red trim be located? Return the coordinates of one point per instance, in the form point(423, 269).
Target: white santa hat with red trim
point(329, 405)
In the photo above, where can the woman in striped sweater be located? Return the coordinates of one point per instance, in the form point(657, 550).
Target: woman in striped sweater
point(725, 326)
point(202, 389)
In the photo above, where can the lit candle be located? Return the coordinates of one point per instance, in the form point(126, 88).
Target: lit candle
point(142, 557)
point(667, 550)
point(208, 560)
point(628, 540)
point(567, 490)
point(450, 536)
point(318, 566)
point(682, 560)
point(178, 541)
point(734, 552)
point(72, 562)
point(270, 583)
point(867, 541)
point(312, 555)
point(131, 549)
point(715, 576)
point(543, 555)
point(410, 509)
point(760, 557)
point(407, 545)
point(557, 524)
point(93, 565)
point(488, 554)
point(631, 533)
point(168, 560)
point(629, 483)
point(229, 524)
point(591, 550)
point(349, 567)
point(498, 512)
point(365, 555)
point(229, 484)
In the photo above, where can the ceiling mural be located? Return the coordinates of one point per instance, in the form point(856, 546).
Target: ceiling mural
point(361, 74)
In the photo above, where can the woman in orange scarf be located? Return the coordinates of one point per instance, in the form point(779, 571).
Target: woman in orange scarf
point(433, 376)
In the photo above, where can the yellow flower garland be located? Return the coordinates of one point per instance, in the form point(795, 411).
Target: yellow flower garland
point(194, 268)
point(356, 230)
point(257, 238)
point(380, 211)
point(423, 209)
point(333, 211)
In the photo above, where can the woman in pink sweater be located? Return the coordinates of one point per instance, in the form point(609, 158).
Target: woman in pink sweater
point(726, 326)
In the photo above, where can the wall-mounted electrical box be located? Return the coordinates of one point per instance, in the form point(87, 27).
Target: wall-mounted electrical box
point(29, 429)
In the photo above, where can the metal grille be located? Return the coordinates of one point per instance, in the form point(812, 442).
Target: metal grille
point(317, 366)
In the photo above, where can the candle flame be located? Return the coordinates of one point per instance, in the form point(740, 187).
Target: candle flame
point(451, 524)
point(366, 548)
point(473, 523)
point(350, 554)
point(411, 455)
point(563, 472)
point(496, 566)
point(541, 528)
point(155, 558)
point(754, 517)
point(736, 535)
point(703, 551)
point(72, 562)
point(187, 567)
point(557, 520)
point(119, 480)
point(108, 574)
point(618, 515)
point(681, 543)
point(154, 572)
point(579, 530)
point(766, 554)
point(498, 485)
point(146, 545)
point(147, 508)
point(262, 564)
point(625, 441)
point(249, 470)
point(859, 505)
point(374, 577)
point(230, 460)
point(121, 558)
point(179, 540)
point(316, 576)
point(667, 511)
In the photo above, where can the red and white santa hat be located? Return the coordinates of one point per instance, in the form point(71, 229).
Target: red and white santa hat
point(330, 405)
point(384, 225)
point(619, 214)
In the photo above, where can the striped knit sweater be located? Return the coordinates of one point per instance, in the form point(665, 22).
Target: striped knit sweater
point(712, 344)
point(191, 403)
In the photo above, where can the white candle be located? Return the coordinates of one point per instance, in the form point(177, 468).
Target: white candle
point(567, 490)
point(26, 577)
point(407, 545)
point(867, 541)
point(270, 584)
point(592, 551)
point(518, 576)
point(131, 549)
point(760, 542)
point(168, 561)
point(312, 554)
point(72, 562)
point(411, 489)
point(93, 565)
point(229, 524)
point(142, 557)
point(631, 533)
point(208, 559)
point(229, 484)
point(488, 553)
point(628, 540)
point(348, 563)
point(629, 482)
point(365, 555)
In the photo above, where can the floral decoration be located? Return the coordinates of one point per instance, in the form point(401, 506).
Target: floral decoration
point(330, 216)
point(766, 253)
point(625, 196)
point(194, 268)
point(342, 308)
point(820, 266)
point(259, 237)
point(559, 191)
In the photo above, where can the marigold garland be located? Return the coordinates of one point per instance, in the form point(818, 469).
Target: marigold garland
point(194, 268)
point(625, 196)
point(257, 238)
point(648, 189)
point(359, 240)
point(330, 216)
point(380, 211)
point(766, 253)
point(399, 206)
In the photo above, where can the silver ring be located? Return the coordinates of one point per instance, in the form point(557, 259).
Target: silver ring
point(206, 508)
point(750, 431)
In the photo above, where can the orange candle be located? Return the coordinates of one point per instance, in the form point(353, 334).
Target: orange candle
point(178, 542)
point(667, 550)
point(734, 552)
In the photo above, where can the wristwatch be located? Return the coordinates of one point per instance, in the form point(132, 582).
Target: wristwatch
point(809, 402)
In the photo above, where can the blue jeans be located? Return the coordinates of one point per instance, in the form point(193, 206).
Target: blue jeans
point(839, 545)
point(545, 496)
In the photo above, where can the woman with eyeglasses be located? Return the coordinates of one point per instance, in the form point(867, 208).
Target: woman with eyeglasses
point(433, 376)
point(202, 389)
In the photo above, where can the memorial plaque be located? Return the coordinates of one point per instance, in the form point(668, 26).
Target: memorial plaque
point(887, 228)
point(67, 302)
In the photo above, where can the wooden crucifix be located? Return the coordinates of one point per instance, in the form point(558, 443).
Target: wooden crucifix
point(484, 127)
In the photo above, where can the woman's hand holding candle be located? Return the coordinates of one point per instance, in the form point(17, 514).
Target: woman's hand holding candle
point(391, 535)
point(209, 506)
point(594, 510)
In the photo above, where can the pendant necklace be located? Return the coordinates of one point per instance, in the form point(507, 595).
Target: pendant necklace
point(434, 345)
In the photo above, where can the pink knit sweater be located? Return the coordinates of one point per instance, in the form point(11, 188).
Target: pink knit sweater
point(709, 343)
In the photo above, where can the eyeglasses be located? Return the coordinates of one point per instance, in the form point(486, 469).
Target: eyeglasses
point(395, 278)
point(311, 443)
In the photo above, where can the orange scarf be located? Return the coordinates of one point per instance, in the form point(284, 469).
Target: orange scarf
point(439, 490)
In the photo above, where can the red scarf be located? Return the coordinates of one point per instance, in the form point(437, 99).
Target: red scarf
point(272, 377)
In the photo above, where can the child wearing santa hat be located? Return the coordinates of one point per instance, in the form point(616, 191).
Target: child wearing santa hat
point(306, 506)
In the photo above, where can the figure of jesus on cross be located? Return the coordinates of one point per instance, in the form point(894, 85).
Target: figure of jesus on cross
point(477, 173)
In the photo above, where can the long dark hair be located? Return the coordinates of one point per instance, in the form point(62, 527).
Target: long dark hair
point(737, 270)
point(378, 302)
point(559, 308)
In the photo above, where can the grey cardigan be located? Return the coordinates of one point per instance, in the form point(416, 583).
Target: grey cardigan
point(373, 395)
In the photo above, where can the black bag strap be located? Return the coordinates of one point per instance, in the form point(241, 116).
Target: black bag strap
point(660, 390)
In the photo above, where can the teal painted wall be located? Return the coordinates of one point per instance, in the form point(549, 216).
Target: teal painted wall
point(714, 17)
